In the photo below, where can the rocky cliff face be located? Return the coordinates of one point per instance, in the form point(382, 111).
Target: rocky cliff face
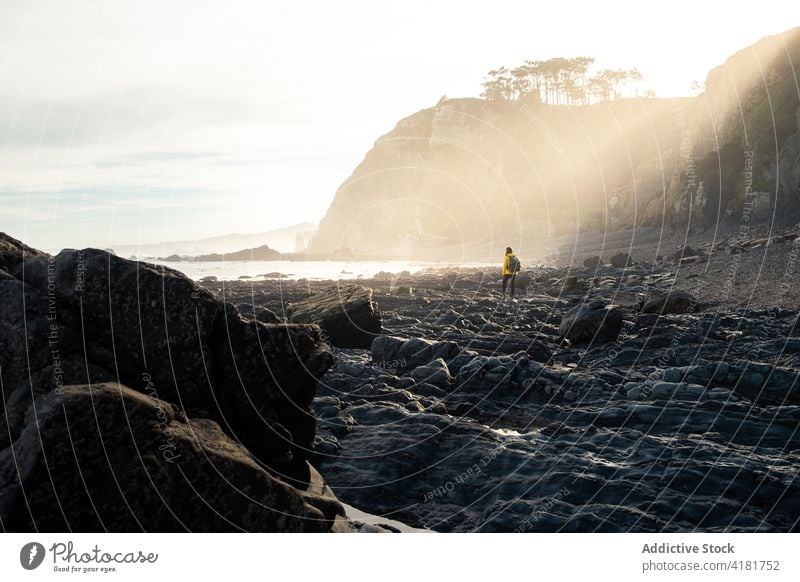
point(740, 144)
point(470, 170)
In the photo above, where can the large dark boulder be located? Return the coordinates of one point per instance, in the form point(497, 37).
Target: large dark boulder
point(108, 458)
point(88, 316)
point(595, 321)
point(158, 332)
point(137, 318)
point(621, 260)
point(348, 316)
point(572, 284)
point(673, 301)
point(592, 262)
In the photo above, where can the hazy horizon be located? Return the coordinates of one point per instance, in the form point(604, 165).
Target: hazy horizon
point(125, 123)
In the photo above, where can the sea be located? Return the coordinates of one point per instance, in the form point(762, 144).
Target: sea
point(313, 270)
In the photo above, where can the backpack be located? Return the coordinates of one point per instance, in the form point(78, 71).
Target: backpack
point(513, 264)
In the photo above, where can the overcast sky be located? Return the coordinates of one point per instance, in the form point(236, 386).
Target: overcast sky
point(138, 121)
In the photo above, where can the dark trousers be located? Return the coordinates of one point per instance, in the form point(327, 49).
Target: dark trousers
point(506, 279)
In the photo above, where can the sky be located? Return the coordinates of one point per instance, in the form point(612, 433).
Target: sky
point(127, 122)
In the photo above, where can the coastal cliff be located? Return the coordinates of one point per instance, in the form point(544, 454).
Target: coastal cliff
point(472, 170)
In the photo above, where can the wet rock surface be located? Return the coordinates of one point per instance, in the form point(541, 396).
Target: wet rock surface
point(148, 394)
point(207, 482)
point(348, 316)
point(475, 413)
point(595, 320)
point(673, 301)
point(676, 410)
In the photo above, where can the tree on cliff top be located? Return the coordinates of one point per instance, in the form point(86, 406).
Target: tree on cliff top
point(560, 81)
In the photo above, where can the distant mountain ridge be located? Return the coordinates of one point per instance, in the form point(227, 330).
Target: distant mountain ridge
point(284, 240)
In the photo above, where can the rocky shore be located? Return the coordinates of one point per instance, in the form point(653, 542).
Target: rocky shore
point(615, 393)
point(134, 400)
point(635, 397)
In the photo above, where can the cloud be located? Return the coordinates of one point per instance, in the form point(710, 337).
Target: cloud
point(148, 158)
point(120, 116)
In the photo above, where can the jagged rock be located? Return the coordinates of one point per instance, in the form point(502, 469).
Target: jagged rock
point(633, 391)
point(574, 285)
point(435, 372)
point(665, 390)
point(13, 252)
point(621, 260)
point(592, 262)
point(672, 302)
point(159, 333)
point(247, 310)
point(265, 315)
point(89, 316)
point(684, 251)
point(406, 354)
point(347, 315)
point(593, 321)
point(507, 344)
point(105, 457)
point(261, 314)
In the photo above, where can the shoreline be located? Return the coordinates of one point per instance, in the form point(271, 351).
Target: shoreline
point(503, 383)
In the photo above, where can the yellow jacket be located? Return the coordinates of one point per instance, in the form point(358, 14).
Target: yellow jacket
point(506, 270)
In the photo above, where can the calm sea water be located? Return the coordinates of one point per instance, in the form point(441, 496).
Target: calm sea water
point(334, 270)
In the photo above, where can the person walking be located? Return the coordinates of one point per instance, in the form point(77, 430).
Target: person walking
point(511, 266)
